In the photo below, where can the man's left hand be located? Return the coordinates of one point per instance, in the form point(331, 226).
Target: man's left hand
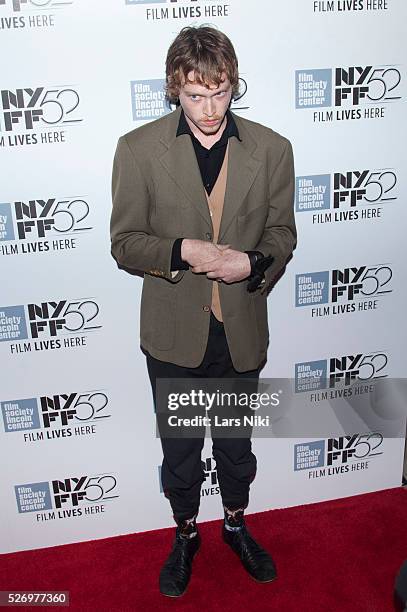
point(230, 267)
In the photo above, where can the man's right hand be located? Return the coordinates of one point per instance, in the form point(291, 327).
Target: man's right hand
point(196, 252)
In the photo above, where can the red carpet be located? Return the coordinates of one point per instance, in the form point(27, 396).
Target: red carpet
point(339, 555)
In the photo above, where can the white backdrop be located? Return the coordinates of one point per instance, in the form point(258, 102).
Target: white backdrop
point(84, 463)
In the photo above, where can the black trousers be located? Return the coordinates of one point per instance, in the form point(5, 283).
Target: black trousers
point(182, 471)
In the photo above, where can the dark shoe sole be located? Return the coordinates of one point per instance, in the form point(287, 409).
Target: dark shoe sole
point(247, 572)
point(186, 588)
point(261, 581)
point(252, 577)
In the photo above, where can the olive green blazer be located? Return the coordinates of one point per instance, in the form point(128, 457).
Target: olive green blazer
point(158, 196)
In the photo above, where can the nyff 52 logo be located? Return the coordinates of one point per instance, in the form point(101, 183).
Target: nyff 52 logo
point(73, 491)
point(59, 321)
point(345, 190)
point(352, 86)
point(339, 371)
point(342, 286)
point(337, 452)
point(51, 318)
point(37, 218)
point(23, 109)
point(354, 92)
point(47, 412)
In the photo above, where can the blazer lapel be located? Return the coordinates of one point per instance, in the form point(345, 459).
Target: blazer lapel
point(180, 162)
point(242, 170)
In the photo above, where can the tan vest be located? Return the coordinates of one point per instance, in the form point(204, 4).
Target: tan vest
point(215, 203)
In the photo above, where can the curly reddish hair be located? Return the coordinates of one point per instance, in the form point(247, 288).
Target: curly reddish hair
point(207, 52)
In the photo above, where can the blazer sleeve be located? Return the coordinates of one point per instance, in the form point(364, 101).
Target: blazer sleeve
point(133, 245)
point(280, 236)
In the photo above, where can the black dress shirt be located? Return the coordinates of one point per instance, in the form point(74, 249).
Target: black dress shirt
point(210, 160)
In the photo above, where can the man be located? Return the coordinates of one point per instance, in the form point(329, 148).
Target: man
point(203, 206)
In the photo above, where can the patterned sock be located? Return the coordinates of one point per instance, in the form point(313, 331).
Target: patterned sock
point(234, 520)
point(187, 528)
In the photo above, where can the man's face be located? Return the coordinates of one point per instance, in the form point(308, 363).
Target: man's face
point(205, 107)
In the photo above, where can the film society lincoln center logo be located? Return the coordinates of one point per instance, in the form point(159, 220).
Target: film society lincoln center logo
point(338, 456)
point(67, 497)
point(48, 325)
point(343, 291)
point(24, 14)
point(352, 195)
point(38, 115)
point(148, 99)
point(57, 416)
point(168, 10)
point(348, 93)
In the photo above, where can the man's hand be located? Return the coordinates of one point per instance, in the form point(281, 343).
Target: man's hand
point(196, 252)
point(231, 266)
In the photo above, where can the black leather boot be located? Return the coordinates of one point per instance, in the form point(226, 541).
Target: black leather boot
point(176, 571)
point(256, 561)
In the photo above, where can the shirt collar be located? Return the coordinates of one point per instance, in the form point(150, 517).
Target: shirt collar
point(229, 131)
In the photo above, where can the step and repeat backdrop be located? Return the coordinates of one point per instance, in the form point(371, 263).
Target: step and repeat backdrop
point(80, 458)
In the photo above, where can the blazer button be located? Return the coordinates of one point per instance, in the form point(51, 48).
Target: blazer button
point(206, 308)
point(208, 236)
